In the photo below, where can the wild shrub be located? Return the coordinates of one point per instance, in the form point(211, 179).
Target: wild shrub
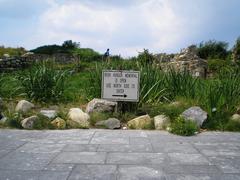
point(43, 82)
point(183, 127)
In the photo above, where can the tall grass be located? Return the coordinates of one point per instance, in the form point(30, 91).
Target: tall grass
point(43, 82)
point(8, 86)
point(218, 96)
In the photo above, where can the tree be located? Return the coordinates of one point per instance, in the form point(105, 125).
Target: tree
point(213, 50)
point(145, 57)
point(236, 51)
point(69, 44)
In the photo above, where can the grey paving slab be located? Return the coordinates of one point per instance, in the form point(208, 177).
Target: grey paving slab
point(191, 169)
point(81, 148)
point(135, 158)
point(192, 159)
point(19, 175)
point(125, 148)
point(25, 161)
point(226, 164)
point(118, 154)
point(97, 172)
point(41, 148)
point(81, 157)
point(129, 172)
point(53, 175)
point(59, 167)
point(175, 147)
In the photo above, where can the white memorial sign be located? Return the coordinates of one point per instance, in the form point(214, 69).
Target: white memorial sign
point(120, 85)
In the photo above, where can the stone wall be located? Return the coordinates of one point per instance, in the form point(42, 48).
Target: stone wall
point(7, 64)
point(13, 63)
point(187, 60)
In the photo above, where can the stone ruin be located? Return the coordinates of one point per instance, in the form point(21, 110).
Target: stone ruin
point(186, 60)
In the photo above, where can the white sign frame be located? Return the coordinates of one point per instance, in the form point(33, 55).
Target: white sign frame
point(120, 97)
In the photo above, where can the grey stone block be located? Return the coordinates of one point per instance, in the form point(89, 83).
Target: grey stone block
point(193, 159)
point(96, 172)
point(127, 172)
point(81, 157)
point(135, 158)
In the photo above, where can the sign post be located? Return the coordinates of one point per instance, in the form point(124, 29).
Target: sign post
point(119, 85)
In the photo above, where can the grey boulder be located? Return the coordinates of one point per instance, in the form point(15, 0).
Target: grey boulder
point(195, 114)
point(111, 123)
point(161, 122)
point(235, 117)
point(100, 105)
point(28, 123)
point(24, 106)
point(49, 113)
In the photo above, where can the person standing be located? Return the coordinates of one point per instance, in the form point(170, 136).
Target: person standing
point(106, 55)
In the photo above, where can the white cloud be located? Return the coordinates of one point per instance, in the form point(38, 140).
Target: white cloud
point(126, 30)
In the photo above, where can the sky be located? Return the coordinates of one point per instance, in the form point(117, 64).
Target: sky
point(124, 26)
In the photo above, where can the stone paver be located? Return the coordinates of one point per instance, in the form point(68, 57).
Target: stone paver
point(118, 155)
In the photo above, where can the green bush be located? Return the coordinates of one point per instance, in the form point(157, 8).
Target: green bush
point(183, 127)
point(42, 123)
point(12, 51)
point(13, 119)
point(98, 116)
point(43, 82)
point(213, 50)
point(233, 126)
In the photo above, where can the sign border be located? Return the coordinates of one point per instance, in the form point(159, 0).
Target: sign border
point(120, 100)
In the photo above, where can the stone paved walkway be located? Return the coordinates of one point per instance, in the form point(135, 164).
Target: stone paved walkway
point(121, 155)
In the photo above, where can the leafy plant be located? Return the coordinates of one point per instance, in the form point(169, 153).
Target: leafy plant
point(183, 127)
point(43, 82)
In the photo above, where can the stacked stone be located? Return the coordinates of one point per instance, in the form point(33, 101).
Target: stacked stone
point(187, 60)
point(13, 63)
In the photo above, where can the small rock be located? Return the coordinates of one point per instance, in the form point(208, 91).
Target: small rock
point(111, 123)
point(195, 114)
point(141, 122)
point(235, 117)
point(49, 113)
point(78, 118)
point(24, 106)
point(59, 123)
point(161, 122)
point(28, 123)
point(100, 105)
point(2, 119)
point(124, 128)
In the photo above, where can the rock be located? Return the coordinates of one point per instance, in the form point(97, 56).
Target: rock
point(59, 123)
point(195, 114)
point(76, 117)
point(235, 117)
point(100, 105)
point(141, 122)
point(161, 122)
point(124, 128)
point(111, 123)
point(2, 119)
point(49, 113)
point(28, 123)
point(187, 60)
point(24, 106)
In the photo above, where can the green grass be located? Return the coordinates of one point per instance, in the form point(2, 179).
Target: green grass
point(183, 127)
point(157, 90)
